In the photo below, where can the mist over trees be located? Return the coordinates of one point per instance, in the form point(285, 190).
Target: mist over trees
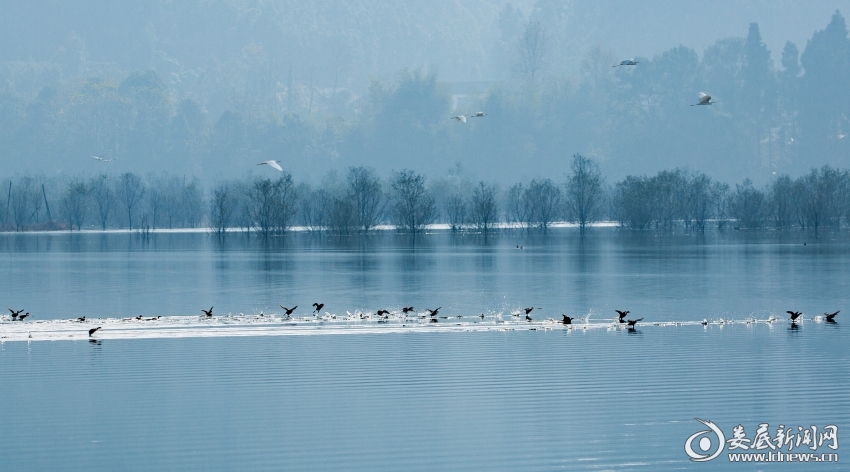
point(316, 91)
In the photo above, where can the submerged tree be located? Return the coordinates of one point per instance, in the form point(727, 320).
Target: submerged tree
point(130, 190)
point(484, 211)
point(222, 205)
point(271, 205)
point(75, 203)
point(584, 191)
point(413, 205)
point(367, 195)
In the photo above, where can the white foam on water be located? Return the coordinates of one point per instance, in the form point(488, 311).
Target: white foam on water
point(277, 325)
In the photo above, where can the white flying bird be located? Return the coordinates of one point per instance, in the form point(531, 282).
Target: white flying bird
point(272, 164)
point(102, 159)
point(460, 118)
point(627, 62)
point(704, 99)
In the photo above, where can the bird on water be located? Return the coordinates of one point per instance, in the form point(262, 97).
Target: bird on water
point(527, 318)
point(318, 306)
point(289, 310)
point(81, 319)
point(15, 313)
point(21, 317)
point(632, 323)
point(407, 309)
point(433, 312)
point(796, 314)
point(830, 318)
point(567, 319)
point(92, 331)
point(622, 315)
point(208, 312)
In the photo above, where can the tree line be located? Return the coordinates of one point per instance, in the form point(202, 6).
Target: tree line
point(359, 201)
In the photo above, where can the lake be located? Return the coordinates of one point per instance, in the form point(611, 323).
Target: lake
point(251, 389)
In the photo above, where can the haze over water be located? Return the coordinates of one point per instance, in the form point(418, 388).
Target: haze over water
point(498, 400)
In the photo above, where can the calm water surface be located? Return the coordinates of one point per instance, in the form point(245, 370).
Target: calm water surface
point(515, 400)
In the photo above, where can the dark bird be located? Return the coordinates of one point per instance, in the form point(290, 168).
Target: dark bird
point(383, 312)
point(527, 318)
point(632, 323)
point(318, 306)
point(433, 320)
point(527, 310)
point(21, 317)
point(830, 318)
point(795, 314)
point(81, 319)
point(208, 312)
point(407, 309)
point(91, 331)
point(567, 320)
point(481, 316)
point(622, 315)
point(15, 313)
point(289, 310)
point(433, 312)
point(139, 317)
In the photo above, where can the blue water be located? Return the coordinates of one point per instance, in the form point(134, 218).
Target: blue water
point(596, 399)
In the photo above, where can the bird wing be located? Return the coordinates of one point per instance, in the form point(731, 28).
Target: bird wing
point(704, 97)
point(462, 118)
point(276, 165)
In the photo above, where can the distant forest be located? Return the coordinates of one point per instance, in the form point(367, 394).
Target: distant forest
point(204, 123)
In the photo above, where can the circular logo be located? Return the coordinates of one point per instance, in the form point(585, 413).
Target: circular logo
point(705, 442)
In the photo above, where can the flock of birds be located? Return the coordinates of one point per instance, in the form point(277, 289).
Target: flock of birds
point(431, 314)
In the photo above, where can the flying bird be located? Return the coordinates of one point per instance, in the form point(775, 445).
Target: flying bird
point(622, 314)
point(272, 163)
point(92, 331)
point(528, 310)
point(567, 320)
point(796, 314)
point(15, 313)
point(627, 62)
point(459, 118)
point(289, 310)
point(704, 99)
point(407, 309)
point(208, 312)
point(632, 323)
point(433, 312)
point(318, 306)
point(383, 312)
point(103, 160)
point(479, 114)
point(830, 318)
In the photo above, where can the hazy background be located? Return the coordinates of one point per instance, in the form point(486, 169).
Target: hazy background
point(209, 88)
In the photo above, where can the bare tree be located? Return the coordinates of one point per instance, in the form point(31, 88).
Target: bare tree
point(746, 205)
point(130, 190)
point(104, 198)
point(222, 205)
point(484, 211)
point(413, 205)
point(367, 195)
point(584, 191)
point(780, 202)
point(192, 204)
point(517, 211)
point(271, 205)
point(456, 211)
point(532, 52)
point(25, 202)
point(542, 199)
point(75, 203)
